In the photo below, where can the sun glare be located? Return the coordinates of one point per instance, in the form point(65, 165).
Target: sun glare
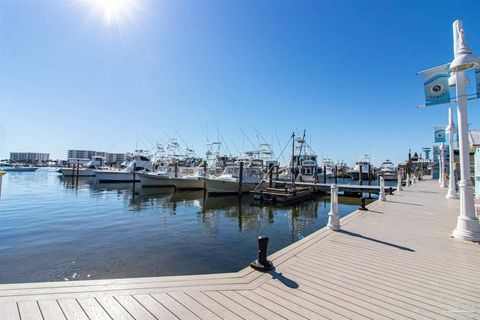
point(114, 11)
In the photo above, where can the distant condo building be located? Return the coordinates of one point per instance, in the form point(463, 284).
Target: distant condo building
point(89, 154)
point(29, 156)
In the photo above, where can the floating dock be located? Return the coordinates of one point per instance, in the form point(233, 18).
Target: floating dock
point(282, 196)
point(346, 188)
point(395, 261)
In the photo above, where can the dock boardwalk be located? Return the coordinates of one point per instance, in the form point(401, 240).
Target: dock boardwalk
point(395, 261)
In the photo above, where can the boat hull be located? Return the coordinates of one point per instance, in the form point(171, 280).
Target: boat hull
point(389, 176)
point(19, 169)
point(356, 175)
point(154, 181)
point(182, 183)
point(115, 176)
point(69, 172)
point(216, 186)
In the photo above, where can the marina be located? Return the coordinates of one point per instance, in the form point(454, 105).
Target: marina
point(239, 160)
point(391, 271)
point(81, 229)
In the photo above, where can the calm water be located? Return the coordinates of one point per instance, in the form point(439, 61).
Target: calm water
point(51, 230)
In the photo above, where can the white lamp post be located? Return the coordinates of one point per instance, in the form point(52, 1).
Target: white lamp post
point(451, 130)
point(468, 227)
point(443, 182)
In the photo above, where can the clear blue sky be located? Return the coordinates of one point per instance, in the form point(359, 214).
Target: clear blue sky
point(344, 70)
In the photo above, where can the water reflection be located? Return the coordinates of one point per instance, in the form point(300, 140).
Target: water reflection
point(137, 232)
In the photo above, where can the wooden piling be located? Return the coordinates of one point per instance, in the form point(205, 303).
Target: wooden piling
point(360, 182)
point(133, 181)
point(270, 175)
point(335, 174)
point(240, 178)
point(324, 174)
point(78, 172)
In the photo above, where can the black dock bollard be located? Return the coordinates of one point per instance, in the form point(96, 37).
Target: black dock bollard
point(240, 178)
point(362, 199)
point(390, 191)
point(262, 264)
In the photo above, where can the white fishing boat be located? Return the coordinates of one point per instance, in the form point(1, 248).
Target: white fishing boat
point(139, 163)
point(159, 178)
point(86, 171)
point(388, 171)
point(328, 165)
point(19, 169)
point(363, 166)
point(190, 182)
point(9, 167)
point(228, 181)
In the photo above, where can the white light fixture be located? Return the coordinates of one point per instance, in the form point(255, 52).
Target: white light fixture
point(464, 60)
point(468, 227)
point(452, 82)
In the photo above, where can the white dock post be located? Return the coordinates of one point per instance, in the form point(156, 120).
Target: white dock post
point(451, 130)
point(407, 181)
point(399, 184)
point(382, 195)
point(443, 181)
point(333, 217)
point(468, 227)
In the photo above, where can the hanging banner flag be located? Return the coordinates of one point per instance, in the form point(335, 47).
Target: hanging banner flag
point(435, 83)
point(439, 134)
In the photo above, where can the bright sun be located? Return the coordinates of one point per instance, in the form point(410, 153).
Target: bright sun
point(113, 11)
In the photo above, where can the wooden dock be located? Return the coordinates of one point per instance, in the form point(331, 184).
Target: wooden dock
point(395, 261)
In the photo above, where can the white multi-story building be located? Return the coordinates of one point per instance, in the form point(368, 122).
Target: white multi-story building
point(29, 156)
point(74, 155)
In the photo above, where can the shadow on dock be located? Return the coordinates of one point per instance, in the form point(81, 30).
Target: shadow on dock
point(358, 235)
point(407, 203)
point(280, 277)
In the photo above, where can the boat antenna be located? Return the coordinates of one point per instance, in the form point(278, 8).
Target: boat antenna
point(279, 145)
point(223, 140)
point(248, 139)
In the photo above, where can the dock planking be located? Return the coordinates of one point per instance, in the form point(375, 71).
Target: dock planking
point(395, 261)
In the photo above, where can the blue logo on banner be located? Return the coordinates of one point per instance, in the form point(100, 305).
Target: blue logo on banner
point(439, 135)
point(435, 83)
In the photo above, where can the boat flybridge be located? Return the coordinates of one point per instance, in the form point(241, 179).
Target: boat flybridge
point(362, 165)
point(303, 165)
point(88, 170)
point(329, 166)
point(181, 171)
point(388, 171)
point(138, 163)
